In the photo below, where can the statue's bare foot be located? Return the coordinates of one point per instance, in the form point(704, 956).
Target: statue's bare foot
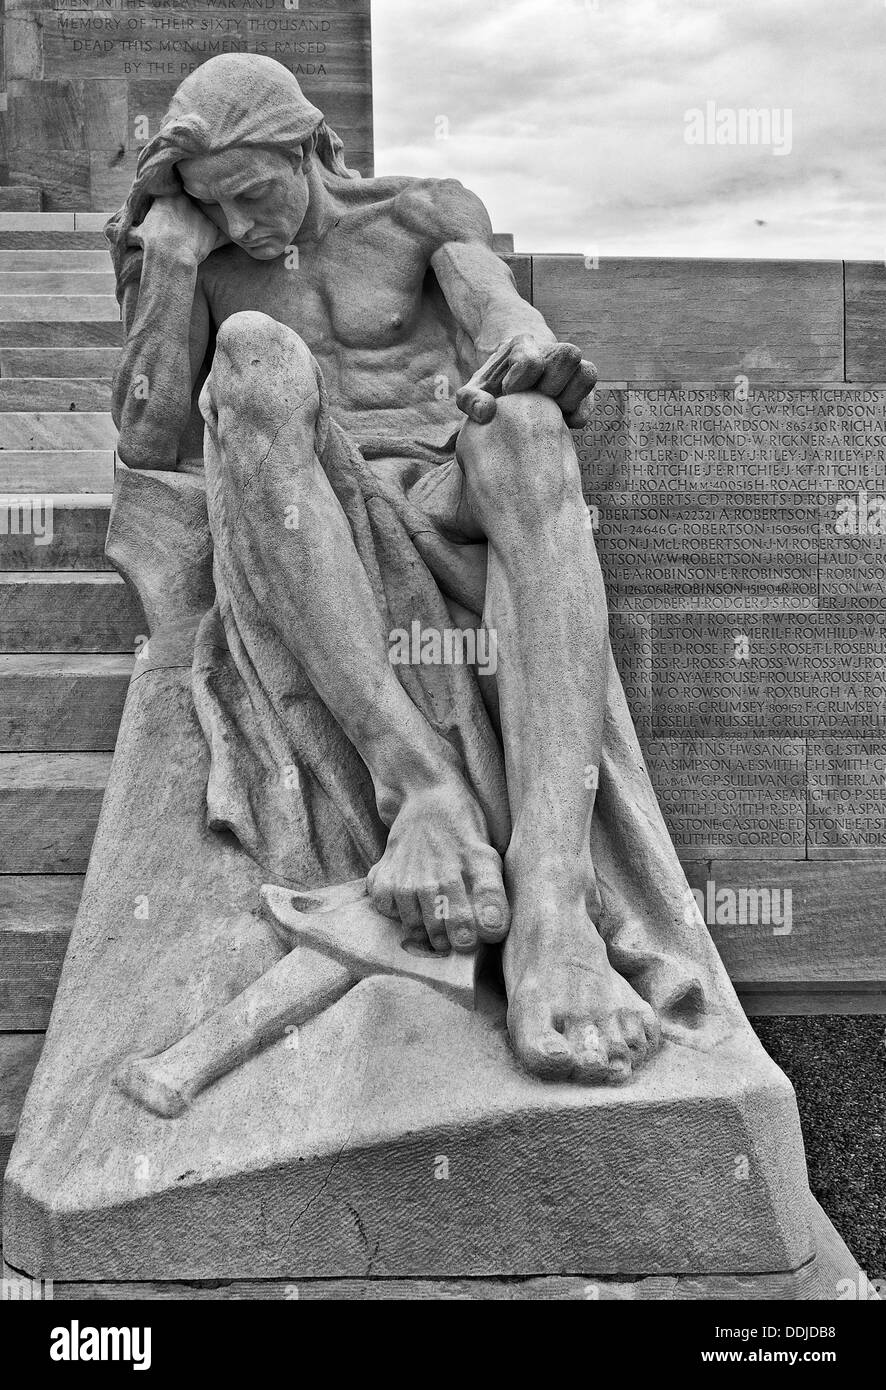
point(570, 1015)
point(439, 874)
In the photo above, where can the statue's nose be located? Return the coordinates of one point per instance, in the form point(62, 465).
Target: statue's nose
point(238, 224)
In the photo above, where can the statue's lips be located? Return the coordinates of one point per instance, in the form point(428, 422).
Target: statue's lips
point(269, 239)
point(270, 244)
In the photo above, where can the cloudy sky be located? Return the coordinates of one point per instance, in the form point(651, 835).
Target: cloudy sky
point(568, 117)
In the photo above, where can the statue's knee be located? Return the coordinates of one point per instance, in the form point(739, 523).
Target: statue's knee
point(246, 338)
point(528, 413)
point(259, 366)
point(525, 448)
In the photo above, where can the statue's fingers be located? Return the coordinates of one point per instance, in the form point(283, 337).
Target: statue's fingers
point(490, 374)
point(476, 403)
point(477, 397)
point(581, 416)
point(524, 372)
point(561, 364)
point(582, 382)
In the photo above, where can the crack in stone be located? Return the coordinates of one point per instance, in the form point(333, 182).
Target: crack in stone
point(320, 1190)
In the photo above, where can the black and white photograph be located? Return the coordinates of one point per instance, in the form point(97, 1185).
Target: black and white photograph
point(442, 667)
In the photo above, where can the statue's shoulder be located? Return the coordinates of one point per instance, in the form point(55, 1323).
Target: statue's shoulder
point(440, 209)
point(430, 212)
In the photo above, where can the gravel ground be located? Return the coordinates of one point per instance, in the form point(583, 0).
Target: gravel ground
point(838, 1069)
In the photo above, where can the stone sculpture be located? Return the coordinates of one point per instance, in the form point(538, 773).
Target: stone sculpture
point(348, 506)
point(377, 725)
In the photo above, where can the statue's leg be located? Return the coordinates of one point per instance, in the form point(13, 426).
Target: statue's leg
point(261, 403)
point(569, 1012)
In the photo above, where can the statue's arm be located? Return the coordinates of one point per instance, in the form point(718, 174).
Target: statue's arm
point(167, 322)
point(514, 349)
point(167, 331)
point(477, 284)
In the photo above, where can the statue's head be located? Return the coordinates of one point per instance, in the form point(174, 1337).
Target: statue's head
point(239, 138)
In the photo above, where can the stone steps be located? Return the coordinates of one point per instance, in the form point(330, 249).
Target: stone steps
point(72, 362)
point(63, 281)
point(61, 702)
point(67, 623)
point(62, 259)
point(50, 239)
point(49, 809)
point(60, 333)
point(25, 394)
point(52, 429)
point(37, 914)
point(64, 531)
point(34, 221)
point(18, 1058)
point(49, 308)
point(56, 470)
point(67, 611)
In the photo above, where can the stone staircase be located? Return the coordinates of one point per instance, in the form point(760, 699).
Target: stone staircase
point(67, 624)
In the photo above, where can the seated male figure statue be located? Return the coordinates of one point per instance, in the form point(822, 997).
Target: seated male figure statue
point(335, 303)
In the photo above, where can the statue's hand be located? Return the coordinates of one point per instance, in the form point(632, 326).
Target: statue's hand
point(176, 227)
point(524, 363)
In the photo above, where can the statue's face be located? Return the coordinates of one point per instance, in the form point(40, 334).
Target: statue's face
point(257, 197)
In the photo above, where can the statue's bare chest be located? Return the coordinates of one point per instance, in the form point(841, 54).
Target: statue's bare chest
point(331, 301)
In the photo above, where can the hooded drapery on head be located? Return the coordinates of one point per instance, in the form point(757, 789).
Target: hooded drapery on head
point(232, 101)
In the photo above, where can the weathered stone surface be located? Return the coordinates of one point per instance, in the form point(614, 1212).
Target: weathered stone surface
point(63, 260)
point(37, 221)
point(63, 532)
point(21, 199)
point(57, 282)
point(768, 320)
point(834, 1273)
point(62, 176)
point(85, 90)
point(777, 675)
point(40, 238)
point(46, 611)
point(61, 703)
point(797, 936)
point(49, 807)
point(54, 394)
point(96, 362)
point(865, 318)
point(18, 1057)
point(37, 913)
point(407, 1091)
point(847, 798)
point(48, 308)
point(48, 429)
point(56, 470)
point(732, 798)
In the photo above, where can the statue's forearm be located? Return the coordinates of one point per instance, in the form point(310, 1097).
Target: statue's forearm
point(504, 316)
point(480, 290)
point(152, 385)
